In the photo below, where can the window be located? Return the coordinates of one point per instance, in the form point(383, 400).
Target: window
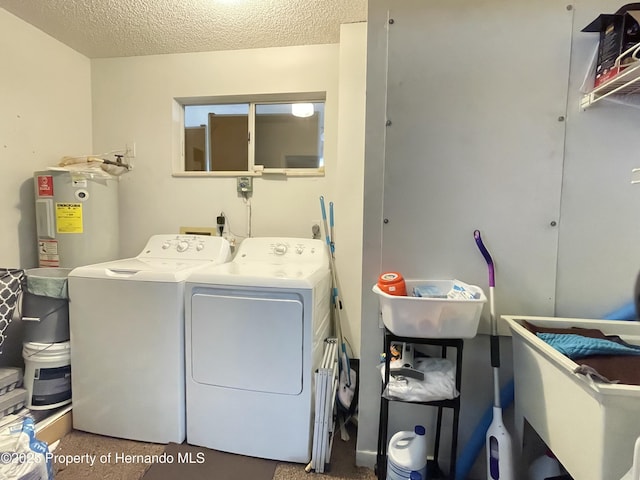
point(232, 138)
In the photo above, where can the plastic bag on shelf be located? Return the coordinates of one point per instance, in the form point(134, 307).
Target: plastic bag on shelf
point(22, 455)
point(439, 382)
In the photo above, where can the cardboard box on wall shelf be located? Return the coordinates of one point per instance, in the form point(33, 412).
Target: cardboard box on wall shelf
point(618, 32)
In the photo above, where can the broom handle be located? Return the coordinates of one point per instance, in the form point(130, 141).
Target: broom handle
point(334, 280)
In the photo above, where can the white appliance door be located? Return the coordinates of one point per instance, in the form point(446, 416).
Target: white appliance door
point(247, 339)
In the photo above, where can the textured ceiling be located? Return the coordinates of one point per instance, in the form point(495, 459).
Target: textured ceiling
point(120, 28)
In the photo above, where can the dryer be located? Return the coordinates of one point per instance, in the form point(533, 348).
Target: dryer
point(126, 322)
point(255, 329)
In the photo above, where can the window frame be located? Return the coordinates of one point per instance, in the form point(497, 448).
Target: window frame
point(178, 121)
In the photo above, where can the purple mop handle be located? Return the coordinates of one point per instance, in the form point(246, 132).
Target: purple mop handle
point(487, 257)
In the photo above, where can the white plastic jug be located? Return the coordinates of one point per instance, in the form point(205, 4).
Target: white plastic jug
point(407, 453)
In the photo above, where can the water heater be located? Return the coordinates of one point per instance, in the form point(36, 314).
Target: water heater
point(76, 218)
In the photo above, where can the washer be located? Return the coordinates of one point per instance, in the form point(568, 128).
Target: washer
point(127, 338)
point(255, 329)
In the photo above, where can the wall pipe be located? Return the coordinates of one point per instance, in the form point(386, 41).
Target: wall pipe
point(626, 312)
point(477, 440)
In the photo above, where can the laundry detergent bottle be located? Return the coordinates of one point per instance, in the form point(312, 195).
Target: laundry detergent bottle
point(407, 453)
point(392, 283)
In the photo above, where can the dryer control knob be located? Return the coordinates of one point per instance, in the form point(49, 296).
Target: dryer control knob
point(200, 246)
point(165, 245)
point(299, 250)
point(182, 246)
point(280, 249)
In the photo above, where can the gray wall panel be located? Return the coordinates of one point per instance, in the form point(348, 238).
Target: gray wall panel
point(475, 142)
point(474, 92)
point(599, 254)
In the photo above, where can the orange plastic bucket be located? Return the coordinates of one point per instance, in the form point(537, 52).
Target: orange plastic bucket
point(392, 283)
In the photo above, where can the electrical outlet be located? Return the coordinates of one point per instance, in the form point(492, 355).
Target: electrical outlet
point(315, 230)
point(130, 150)
point(245, 185)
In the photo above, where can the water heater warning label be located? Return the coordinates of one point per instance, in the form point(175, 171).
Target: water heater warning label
point(69, 217)
point(48, 253)
point(45, 186)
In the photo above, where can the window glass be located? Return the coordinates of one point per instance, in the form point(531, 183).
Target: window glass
point(289, 135)
point(216, 137)
point(237, 137)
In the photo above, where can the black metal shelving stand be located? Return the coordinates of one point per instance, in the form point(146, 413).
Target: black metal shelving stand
point(433, 468)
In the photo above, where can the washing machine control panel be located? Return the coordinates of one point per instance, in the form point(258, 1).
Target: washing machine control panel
point(196, 247)
point(281, 250)
point(293, 250)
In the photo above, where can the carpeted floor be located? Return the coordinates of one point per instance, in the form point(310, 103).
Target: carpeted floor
point(82, 456)
point(198, 463)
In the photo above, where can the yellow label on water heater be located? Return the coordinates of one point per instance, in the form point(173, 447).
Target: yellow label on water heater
point(69, 217)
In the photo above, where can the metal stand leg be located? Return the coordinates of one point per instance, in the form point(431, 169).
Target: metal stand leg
point(454, 404)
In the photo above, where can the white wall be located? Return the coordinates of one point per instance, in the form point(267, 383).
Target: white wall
point(350, 179)
point(45, 114)
point(133, 102)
